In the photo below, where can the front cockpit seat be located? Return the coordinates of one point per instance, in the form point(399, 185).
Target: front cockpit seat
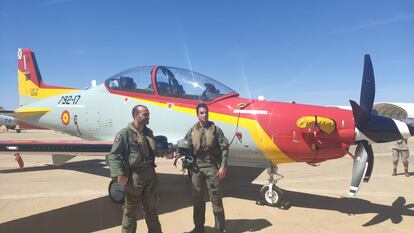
point(163, 88)
point(127, 83)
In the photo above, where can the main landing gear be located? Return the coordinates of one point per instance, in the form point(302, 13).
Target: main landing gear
point(270, 194)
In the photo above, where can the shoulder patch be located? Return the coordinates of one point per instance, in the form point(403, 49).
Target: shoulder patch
point(117, 137)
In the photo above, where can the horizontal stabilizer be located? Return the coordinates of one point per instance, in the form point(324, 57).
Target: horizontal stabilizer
point(7, 112)
point(32, 110)
point(60, 159)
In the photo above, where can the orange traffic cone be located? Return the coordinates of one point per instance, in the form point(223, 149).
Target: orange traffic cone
point(19, 160)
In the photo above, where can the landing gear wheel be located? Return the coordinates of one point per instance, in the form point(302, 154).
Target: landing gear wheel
point(116, 192)
point(271, 198)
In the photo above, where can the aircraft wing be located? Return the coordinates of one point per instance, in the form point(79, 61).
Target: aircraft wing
point(54, 146)
point(7, 112)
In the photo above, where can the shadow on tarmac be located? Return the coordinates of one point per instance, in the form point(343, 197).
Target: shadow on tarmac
point(175, 193)
point(242, 225)
point(353, 206)
point(93, 166)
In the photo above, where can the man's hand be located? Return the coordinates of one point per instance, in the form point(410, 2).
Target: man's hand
point(221, 173)
point(122, 180)
point(176, 154)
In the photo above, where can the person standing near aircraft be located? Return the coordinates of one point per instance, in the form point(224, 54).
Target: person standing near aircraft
point(400, 148)
point(132, 163)
point(210, 149)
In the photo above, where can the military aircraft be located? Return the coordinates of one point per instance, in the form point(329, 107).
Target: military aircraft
point(10, 123)
point(258, 130)
point(400, 111)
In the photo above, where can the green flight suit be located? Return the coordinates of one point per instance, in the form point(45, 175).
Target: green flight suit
point(210, 150)
point(133, 155)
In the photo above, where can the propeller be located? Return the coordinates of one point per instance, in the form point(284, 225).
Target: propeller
point(363, 159)
point(371, 128)
point(366, 99)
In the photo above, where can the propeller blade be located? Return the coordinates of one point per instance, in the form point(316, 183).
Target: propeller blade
point(370, 161)
point(381, 129)
point(360, 167)
point(360, 116)
point(368, 86)
point(374, 127)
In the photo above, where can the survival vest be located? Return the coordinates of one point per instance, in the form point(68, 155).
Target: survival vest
point(212, 146)
point(141, 147)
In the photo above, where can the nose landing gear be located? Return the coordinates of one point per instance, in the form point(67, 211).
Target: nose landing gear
point(270, 194)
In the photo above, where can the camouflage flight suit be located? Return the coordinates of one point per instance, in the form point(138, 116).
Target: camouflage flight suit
point(400, 148)
point(210, 149)
point(133, 155)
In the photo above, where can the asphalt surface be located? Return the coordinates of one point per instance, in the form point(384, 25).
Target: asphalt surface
point(73, 197)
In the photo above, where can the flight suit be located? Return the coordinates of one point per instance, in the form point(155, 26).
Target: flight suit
point(400, 148)
point(210, 150)
point(133, 155)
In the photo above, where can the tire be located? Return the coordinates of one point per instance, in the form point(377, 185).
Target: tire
point(116, 192)
point(277, 196)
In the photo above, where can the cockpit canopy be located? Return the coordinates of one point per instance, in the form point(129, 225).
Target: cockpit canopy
point(169, 81)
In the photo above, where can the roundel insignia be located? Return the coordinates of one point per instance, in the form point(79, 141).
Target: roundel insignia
point(65, 117)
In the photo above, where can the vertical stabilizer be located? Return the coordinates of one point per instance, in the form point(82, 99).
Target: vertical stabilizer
point(30, 83)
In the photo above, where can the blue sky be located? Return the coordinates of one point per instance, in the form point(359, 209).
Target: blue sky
point(307, 51)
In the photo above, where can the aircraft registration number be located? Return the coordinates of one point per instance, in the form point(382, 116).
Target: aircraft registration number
point(69, 99)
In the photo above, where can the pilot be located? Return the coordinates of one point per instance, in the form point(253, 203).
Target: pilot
point(132, 164)
point(400, 148)
point(210, 150)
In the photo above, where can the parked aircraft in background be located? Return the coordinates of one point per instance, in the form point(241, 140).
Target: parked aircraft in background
point(10, 123)
point(400, 111)
point(259, 130)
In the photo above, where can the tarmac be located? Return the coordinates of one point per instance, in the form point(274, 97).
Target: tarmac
point(73, 197)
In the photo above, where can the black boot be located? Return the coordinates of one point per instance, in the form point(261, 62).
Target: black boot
point(197, 229)
point(406, 173)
